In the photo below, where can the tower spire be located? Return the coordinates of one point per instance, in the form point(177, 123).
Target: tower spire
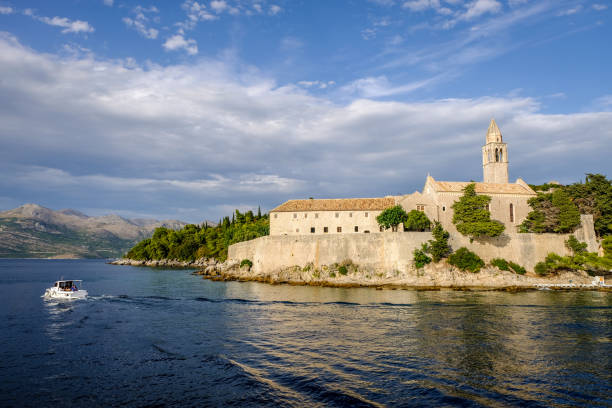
point(494, 156)
point(493, 133)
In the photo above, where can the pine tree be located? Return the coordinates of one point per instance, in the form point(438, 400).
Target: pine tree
point(471, 216)
point(438, 247)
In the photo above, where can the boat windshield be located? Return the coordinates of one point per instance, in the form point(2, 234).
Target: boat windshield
point(70, 285)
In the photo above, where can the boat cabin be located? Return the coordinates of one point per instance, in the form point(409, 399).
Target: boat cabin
point(68, 285)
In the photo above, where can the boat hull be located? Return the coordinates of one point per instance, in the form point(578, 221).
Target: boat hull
point(53, 293)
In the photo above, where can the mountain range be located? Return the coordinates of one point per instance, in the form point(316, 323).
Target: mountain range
point(32, 231)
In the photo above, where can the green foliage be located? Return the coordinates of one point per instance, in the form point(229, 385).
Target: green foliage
point(194, 242)
point(466, 260)
point(569, 216)
point(391, 217)
point(420, 257)
point(509, 266)
point(471, 216)
point(439, 248)
point(332, 275)
point(585, 261)
point(342, 270)
point(517, 268)
point(246, 262)
point(416, 221)
point(594, 196)
point(606, 244)
point(501, 264)
point(575, 246)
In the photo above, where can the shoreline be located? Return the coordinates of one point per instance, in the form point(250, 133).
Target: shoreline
point(433, 277)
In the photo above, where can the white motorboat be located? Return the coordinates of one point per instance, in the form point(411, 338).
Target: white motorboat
point(66, 289)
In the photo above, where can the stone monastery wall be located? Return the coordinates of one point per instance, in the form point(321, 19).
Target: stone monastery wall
point(393, 250)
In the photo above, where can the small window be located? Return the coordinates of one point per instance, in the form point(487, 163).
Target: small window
point(356, 228)
point(511, 213)
point(350, 214)
point(305, 215)
point(366, 214)
point(316, 215)
point(294, 215)
point(366, 232)
point(420, 207)
point(339, 229)
point(325, 230)
point(312, 230)
point(275, 215)
point(337, 215)
point(443, 208)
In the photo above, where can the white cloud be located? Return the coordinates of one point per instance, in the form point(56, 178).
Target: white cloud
point(218, 5)
point(6, 10)
point(69, 26)
point(368, 33)
point(422, 5)
point(141, 20)
point(291, 43)
point(570, 11)
point(316, 84)
point(215, 132)
point(274, 10)
point(109, 3)
point(600, 7)
point(479, 7)
point(177, 42)
point(376, 87)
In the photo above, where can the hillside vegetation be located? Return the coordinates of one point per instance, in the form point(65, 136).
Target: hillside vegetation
point(201, 241)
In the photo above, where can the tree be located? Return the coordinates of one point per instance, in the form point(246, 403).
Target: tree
point(594, 196)
point(471, 216)
point(466, 260)
point(416, 221)
point(569, 216)
point(391, 217)
point(438, 247)
point(575, 246)
point(420, 257)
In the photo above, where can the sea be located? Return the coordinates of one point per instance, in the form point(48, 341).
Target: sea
point(158, 337)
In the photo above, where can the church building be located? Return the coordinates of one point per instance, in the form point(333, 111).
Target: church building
point(358, 215)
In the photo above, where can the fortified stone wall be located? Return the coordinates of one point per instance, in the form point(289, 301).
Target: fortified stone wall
point(393, 251)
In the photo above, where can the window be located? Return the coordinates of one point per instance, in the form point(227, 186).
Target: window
point(356, 228)
point(317, 215)
point(420, 207)
point(350, 214)
point(305, 215)
point(325, 230)
point(337, 215)
point(294, 215)
point(339, 229)
point(443, 208)
point(366, 232)
point(312, 230)
point(511, 213)
point(366, 214)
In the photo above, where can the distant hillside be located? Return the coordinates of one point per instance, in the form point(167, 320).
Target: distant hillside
point(32, 231)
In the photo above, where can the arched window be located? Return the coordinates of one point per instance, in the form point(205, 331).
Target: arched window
point(501, 155)
point(511, 213)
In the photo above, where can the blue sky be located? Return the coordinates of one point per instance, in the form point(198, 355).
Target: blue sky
point(186, 109)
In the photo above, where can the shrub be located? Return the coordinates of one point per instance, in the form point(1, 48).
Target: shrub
point(416, 221)
point(342, 270)
point(606, 244)
point(420, 256)
point(332, 275)
point(575, 246)
point(466, 260)
point(438, 247)
point(391, 217)
point(517, 268)
point(501, 264)
point(246, 262)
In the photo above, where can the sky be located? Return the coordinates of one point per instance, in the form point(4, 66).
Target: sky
point(190, 109)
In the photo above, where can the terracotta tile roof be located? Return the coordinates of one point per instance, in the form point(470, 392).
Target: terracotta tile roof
point(482, 188)
point(336, 204)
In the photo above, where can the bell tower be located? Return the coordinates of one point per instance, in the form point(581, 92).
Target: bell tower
point(494, 156)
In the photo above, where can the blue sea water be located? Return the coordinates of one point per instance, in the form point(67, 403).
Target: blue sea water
point(155, 337)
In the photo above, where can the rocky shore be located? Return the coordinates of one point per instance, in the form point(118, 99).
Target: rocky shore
point(432, 276)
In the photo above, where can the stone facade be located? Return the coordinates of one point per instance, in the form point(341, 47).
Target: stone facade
point(349, 216)
point(394, 250)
